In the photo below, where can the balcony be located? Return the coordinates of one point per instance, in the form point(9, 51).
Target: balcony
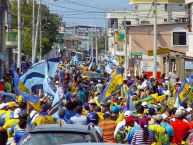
point(11, 39)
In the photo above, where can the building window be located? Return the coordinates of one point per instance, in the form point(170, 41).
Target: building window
point(113, 23)
point(165, 20)
point(166, 7)
point(179, 38)
point(145, 22)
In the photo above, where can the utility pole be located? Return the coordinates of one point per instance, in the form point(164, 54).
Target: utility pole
point(3, 8)
point(96, 45)
point(19, 34)
point(126, 55)
point(40, 35)
point(105, 38)
point(33, 29)
point(92, 42)
point(36, 34)
point(155, 40)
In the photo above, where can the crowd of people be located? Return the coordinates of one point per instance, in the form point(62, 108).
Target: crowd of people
point(142, 112)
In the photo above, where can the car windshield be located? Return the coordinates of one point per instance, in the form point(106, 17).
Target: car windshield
point(52, 138)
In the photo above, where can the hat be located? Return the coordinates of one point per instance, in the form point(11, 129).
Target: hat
point(178, 114)
point(16, 112)
point(159, 117)
point(143, 122)
point(115, 109)
point(91, 102)
point(144, 104)
point(128, 113)
point(11, 104)
point(129, 119)
point(99, 81)
point(164, 116)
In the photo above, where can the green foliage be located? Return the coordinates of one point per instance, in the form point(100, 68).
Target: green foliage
point(50, 25)
point(101, 43)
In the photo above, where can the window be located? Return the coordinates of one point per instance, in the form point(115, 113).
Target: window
point(113, 23)
point(127, 23)
point(145, 22)
point(166, 7)
point(165, 20)
point(179, 38)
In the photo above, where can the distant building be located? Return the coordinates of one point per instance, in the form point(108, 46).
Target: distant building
point(79, 40)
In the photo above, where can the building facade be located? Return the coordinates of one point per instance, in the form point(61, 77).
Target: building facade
point(141, 13)
point(172, 40)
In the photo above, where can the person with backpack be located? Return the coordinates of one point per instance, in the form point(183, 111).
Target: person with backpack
point(125, 129)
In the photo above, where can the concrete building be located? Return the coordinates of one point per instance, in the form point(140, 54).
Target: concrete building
point(80, 40)
point(173, 44)
point(142, 12)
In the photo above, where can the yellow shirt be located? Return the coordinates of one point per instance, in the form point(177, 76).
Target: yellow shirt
point(10, 123)
point(159, 131)
point(44, 120)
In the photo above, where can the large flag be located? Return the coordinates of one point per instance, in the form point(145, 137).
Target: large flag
point(112, 88)
point(27, 97)
point(34, 77)
point(48, 85)
point(183, 93)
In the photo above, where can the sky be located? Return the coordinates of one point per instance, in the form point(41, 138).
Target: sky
point(85, 12)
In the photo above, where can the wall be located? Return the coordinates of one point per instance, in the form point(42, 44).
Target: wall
point(142, 37)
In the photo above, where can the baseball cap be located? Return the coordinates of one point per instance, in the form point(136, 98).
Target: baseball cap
point(129, 119)
point(159, 117)
point(128, 113)
point(164, 116)
point(178, 114)
point(144, 104)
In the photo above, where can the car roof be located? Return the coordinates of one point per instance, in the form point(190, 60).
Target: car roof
point(93, 144)
point(62, 128)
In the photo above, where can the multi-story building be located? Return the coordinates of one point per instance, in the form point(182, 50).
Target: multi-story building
point(142, 12)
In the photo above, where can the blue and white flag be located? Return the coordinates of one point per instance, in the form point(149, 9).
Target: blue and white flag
point(90, 63)
point(34, 77)
point(48, 85)
point(27, 97)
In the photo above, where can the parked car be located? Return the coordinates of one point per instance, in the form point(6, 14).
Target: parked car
point(56, 135)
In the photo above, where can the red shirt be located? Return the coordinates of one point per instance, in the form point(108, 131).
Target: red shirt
point(2, 87)
point(181, 129)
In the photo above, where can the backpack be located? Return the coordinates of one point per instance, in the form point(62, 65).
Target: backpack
point(121, 134)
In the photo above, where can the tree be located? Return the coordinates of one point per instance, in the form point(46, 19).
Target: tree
point(50, 25)
point(101, 43)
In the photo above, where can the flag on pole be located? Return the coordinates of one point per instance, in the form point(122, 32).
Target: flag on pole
point(35, 76)
point(112, 88)
point(27, 97)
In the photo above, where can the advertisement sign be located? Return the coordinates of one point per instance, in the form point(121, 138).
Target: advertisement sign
point(136, 55)
point(147, 63)
point(189, 65)
point(160, 51)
